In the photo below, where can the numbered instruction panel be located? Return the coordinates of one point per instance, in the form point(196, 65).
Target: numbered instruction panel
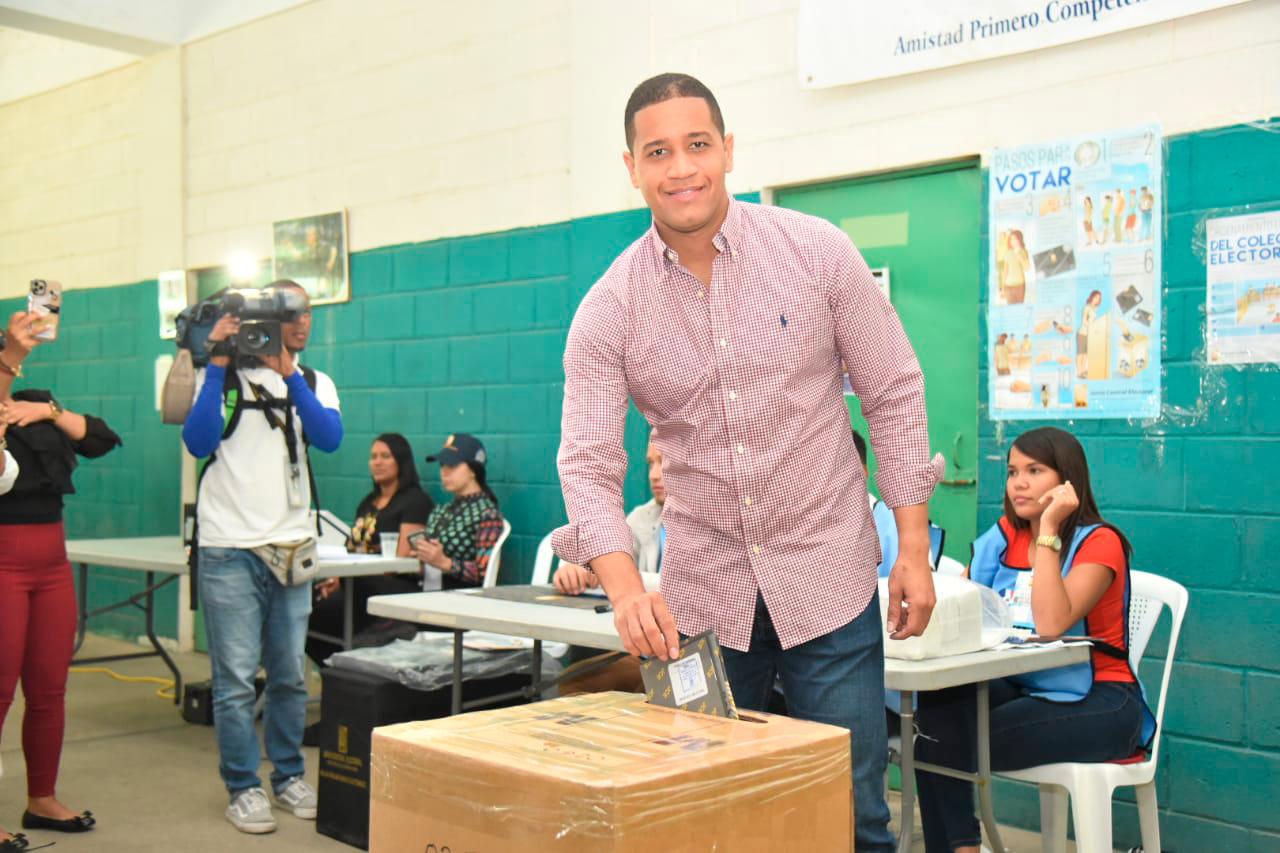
point(1074, 289)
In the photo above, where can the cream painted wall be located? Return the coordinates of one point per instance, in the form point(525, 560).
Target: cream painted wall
point(434, 120)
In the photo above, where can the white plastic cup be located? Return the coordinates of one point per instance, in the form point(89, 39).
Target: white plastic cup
point(390, 541)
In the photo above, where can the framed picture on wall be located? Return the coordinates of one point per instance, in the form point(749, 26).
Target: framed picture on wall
point(312, 250)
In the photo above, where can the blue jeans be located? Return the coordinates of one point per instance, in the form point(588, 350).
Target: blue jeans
point(837, 679)
point(1025, 732)
point(251, 619)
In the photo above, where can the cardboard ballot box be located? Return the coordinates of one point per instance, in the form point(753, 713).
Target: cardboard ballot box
point(608, 773)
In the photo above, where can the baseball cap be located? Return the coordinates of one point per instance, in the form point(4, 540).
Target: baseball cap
point(460, 447)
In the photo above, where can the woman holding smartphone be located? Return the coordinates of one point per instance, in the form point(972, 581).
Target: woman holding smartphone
point(37, 596)
point(459, 537)
point(1063, 570)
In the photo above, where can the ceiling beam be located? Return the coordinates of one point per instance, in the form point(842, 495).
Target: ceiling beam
point(73, 31)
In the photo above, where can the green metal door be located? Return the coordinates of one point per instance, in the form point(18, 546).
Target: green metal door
point(923, 227)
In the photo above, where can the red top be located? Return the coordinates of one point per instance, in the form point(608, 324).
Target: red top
point(1107, 620)
point(742, 382)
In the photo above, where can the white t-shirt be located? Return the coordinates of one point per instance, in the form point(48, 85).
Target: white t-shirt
point(244, 499)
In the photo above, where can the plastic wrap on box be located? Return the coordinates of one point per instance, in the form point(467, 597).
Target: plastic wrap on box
point(609, 773)
point(429, 665)
point(967, 618)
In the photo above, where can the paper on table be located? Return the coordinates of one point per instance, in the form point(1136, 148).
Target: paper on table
point(485, 641)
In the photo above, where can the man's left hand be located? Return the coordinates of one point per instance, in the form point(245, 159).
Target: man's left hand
point(282, 362)
point(911, 598)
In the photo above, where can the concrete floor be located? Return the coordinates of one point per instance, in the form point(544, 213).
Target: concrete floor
point(151, 779)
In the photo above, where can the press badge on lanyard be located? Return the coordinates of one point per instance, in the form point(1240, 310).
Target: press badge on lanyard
point(1019, 600)
point(293, 481)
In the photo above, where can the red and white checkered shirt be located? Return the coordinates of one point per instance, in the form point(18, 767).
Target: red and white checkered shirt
point(742, 382)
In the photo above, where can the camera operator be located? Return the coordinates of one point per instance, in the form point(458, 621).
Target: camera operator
point(256, 549)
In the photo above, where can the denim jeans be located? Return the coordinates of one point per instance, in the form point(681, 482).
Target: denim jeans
point(252, 619)
point(837, 679)
point(1025, 732)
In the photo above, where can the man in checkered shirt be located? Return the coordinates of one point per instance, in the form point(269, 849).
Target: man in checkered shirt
point(726, 324)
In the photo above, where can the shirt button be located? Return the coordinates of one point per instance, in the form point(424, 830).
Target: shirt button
point(755, 549)
point(733, 395)
point(671, 255)
point(747, 501)
point(723, 342)
point(741, 449)
point(701, 293)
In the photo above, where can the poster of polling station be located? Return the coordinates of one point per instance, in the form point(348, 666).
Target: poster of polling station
point(1242, 264)
point(1074, 277)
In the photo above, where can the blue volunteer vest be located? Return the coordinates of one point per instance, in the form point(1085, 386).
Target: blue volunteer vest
point(1064, 683)
point(887, 531)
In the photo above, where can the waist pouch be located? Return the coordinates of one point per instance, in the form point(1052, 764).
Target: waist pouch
point(293, 563)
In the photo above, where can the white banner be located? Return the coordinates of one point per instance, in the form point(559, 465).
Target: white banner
point(851, 41)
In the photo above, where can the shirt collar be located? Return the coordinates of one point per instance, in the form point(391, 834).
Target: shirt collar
point(727, 240)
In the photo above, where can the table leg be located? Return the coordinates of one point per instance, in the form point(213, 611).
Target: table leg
point(537, 671)
point(348, 611)
point(984, 769)
point(150, 611)
point(906, 765)
point(81, 619)
point(457, 673)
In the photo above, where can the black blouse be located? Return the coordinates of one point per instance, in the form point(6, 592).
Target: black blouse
point(410, 504)
point(46, 458)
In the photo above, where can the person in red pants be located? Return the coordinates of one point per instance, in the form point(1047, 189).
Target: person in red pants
point(37, 595)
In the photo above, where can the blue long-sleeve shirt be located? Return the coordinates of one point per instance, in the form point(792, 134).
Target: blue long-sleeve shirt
point(202, 431)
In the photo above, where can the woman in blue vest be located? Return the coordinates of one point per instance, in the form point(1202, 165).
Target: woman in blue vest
point(1063, 570)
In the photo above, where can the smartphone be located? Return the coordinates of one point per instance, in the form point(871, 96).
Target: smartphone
point(44, 302)
point(414, 538)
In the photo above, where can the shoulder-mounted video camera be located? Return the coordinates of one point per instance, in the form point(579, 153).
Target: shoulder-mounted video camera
point(261, 312)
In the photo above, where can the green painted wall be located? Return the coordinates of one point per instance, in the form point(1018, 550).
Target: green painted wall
point(1196, 492)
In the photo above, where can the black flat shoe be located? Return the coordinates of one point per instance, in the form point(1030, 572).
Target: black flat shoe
point(80, 823)
point(14, 843)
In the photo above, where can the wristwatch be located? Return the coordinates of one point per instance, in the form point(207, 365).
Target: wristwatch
point(55, 409)
point(1054, 542)
point(13, 370)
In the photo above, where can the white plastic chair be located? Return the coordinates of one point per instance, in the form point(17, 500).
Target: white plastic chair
point(948, 566)
point(1090, 786)
point(543, 562)
point(491, 573)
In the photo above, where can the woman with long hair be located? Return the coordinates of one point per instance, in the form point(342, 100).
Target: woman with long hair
point(41, 441)
point(1063, 570)
point(394, 504)
point(459, 537)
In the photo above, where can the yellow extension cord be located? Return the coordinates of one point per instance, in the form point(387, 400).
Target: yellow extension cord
point(165, 691)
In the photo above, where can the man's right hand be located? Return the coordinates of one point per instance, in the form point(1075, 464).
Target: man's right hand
point(646, 626)
point(572, 579)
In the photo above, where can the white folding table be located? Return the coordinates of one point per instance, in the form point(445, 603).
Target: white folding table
point(462, 610)
point(166, 555)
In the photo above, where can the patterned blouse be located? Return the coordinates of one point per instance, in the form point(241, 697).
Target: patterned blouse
point(468, 528)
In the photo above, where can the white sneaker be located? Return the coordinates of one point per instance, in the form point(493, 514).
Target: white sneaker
point(298, 797)
point(251, 812)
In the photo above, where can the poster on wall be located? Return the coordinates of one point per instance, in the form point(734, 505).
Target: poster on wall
point(312, 250)
point(1074, 285)
point(1243, 299)
point(171, 289)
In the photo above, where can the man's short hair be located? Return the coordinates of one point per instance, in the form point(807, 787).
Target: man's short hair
point(664, 87)
point(860, 443)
